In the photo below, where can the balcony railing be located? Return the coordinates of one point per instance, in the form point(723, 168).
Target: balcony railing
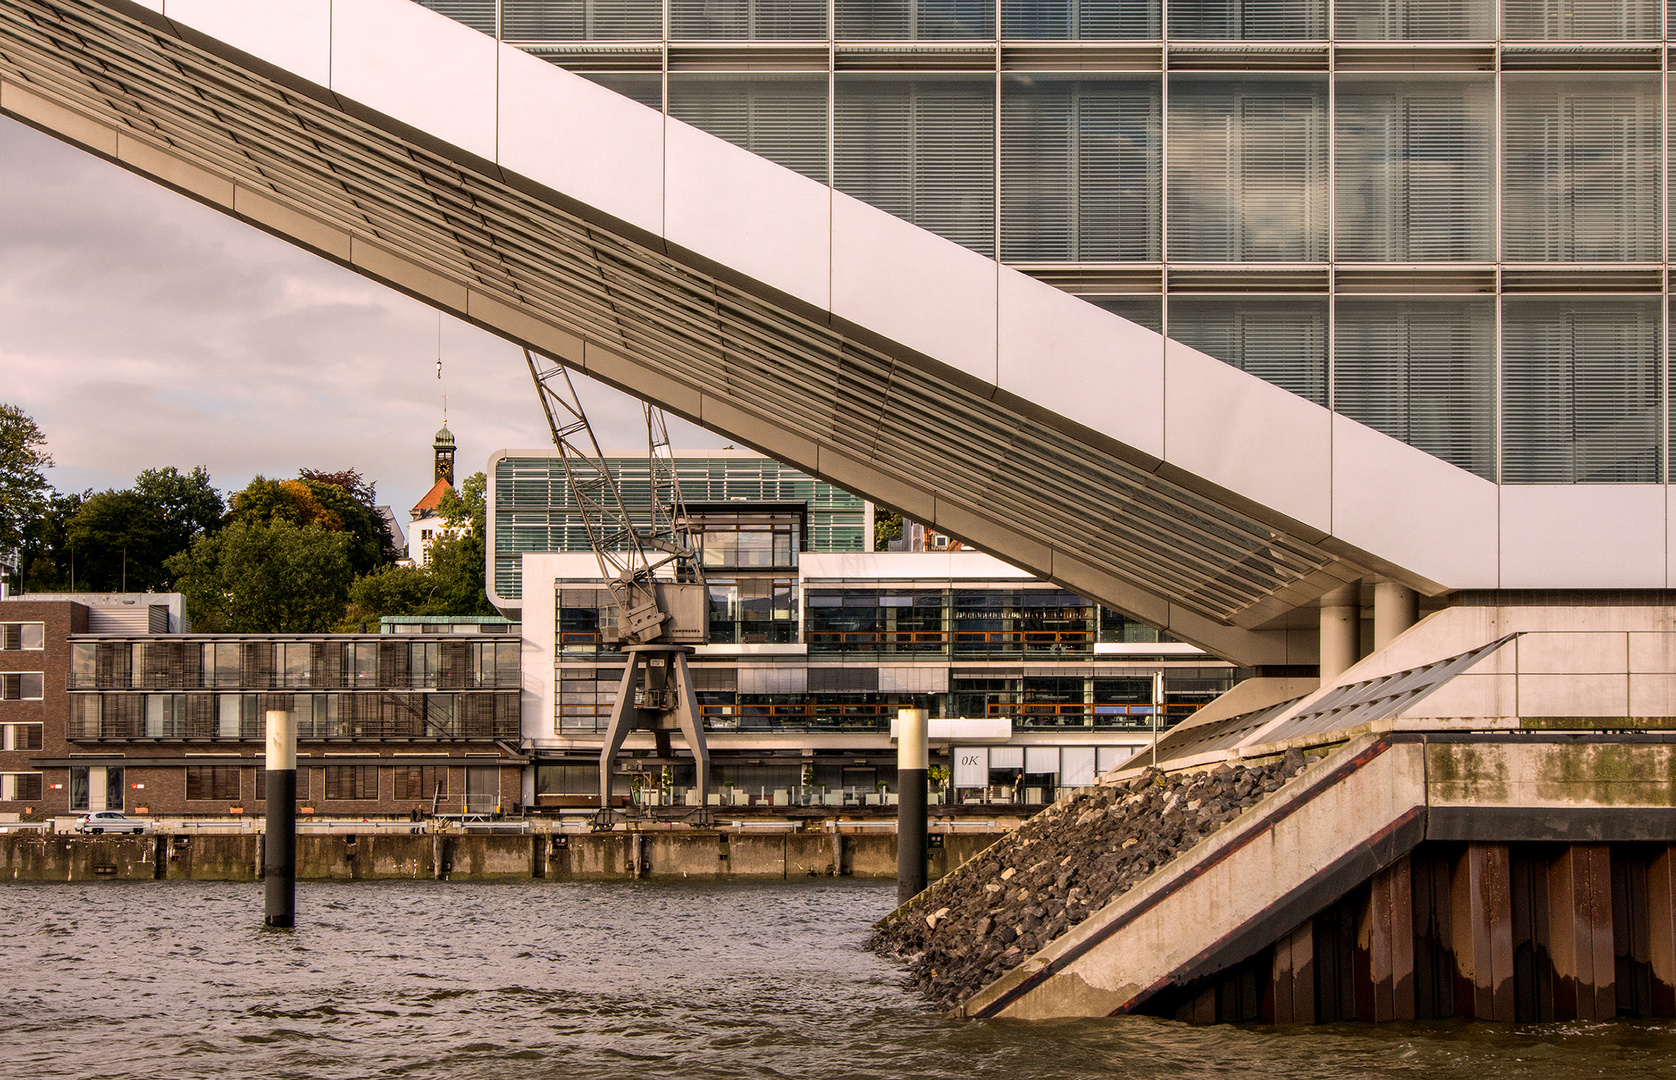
point(280, 680)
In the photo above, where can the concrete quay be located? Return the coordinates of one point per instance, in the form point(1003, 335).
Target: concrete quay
point(614, 856)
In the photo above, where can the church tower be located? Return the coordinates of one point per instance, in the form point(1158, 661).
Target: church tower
point(443, 447)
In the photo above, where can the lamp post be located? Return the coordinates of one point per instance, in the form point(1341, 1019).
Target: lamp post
point(279, 863)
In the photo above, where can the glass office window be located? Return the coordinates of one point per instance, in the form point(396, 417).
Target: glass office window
point(645, 87)
point(1582, 169)
point(1057, 20)
point(1147, 311)
point(1280, 339)
point(1581, 391)
point(747, 19)
point(1079, 169)
point(477, 14)
point(912, 20)
point(1414, 170)
point(1228, 20)
point(1248, 170)
point(781, 117)
point(582, 20)
point(1580, 20)
point(921, 147)
point(1423, 371)
point(1415, 20)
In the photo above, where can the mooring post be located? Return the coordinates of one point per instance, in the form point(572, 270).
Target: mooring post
point(279, 863)
point(913, 755)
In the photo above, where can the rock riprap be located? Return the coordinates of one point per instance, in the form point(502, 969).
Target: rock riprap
point(1060, 867)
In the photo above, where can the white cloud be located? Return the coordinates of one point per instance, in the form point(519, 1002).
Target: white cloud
point(141, 329)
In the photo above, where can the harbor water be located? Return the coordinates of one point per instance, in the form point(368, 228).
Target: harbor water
point(573, 981)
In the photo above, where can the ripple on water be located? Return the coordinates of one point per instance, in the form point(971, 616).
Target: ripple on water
point(427, 979)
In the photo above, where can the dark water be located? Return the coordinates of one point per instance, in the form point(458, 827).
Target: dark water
point(575, 981)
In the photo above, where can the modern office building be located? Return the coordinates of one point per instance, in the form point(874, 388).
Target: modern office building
point(816, 641)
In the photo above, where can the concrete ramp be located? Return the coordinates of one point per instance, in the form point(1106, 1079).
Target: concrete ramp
point(1292, 855)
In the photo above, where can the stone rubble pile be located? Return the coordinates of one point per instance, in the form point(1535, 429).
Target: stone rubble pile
point(1060, 867)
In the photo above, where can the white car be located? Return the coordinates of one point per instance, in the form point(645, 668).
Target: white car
point(113, 821)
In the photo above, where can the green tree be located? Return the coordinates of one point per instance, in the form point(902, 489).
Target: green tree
point(457, 566)
point(46, 562)
point(187, 502)
point(391, 590)
point(23, 481)
point(306, 501)
point(270, 577)
point(887, 526)
point(467, 506)
point(120, 541)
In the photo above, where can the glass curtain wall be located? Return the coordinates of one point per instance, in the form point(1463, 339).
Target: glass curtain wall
point(1409, 211)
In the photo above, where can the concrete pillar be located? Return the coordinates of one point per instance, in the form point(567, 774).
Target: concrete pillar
point(436, 855)
point(1341, 631)
point(279, 861)
point(837, 853)
point(637, 851)
point(1395, 609)
point(913, 758)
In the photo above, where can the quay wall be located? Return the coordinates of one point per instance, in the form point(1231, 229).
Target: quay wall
point(704, 855)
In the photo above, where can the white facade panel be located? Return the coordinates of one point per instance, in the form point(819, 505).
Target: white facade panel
point(971, 767)
point(292, 34)
point(577, 137)
point(1077, 765)
point(1583, 536)
point(1006, 757)
point(1574, 695)
point(419, 67)
point(1084, 363)
point(748, 213)
point(913, 286)
point(1110, 757)
point(1416, 510)
point(1041, 759)
point(1566, 654)
point(774, 679)
point(1247, 435)
point(914, 680)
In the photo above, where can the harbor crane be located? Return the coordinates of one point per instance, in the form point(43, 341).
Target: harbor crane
point(654, 577)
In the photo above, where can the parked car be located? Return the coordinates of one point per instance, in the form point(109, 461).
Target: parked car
point(114, 821)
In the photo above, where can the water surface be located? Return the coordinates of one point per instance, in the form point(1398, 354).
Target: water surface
point(540, 980)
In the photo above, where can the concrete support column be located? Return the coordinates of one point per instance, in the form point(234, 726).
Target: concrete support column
point(1341, 631)
point(1395, 609)
point(913, 757)
point(279, 859)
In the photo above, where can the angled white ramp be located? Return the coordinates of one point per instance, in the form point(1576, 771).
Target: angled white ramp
point(760, 304)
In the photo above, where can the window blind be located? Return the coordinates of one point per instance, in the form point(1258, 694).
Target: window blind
point(783, 118)
point(1414, 171)
point(1279, 339)
point(477, 14)
point(1581, 391)
point(911, 20)
point(1147, 311)
point(747, 19)
point(1422, 371)
point(1056, 20)
point(1263, 20)
point(922, 148)
point(582, 20)
point(1582, 171)
point(1415, 20)
point(645, 87)
point(1580, 20)
point(1079, 169)
point(1248, 171)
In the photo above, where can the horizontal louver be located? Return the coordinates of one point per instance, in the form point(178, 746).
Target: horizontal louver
point(1581, 392)
point(783, 118)
point(1147, 311)
point(477, 14)
point(914, 20)
point(1080, 178)
point(747, 20)
point(1261, 20)
point(1248, 171)
point(1580, 20)
point(1422, 371)
point(1061, 20)
point(582, 20)
point(922, 148)
point(1415, 20)
point(1414, 171)
point(1281, 340)
point(1582, 169)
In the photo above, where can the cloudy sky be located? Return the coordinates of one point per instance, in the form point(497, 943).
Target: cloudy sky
point(141, 329)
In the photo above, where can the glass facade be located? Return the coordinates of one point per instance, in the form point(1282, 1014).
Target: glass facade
point(1366, 202)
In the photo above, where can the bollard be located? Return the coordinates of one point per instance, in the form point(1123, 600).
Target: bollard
point(912, 759)
point(279, 862)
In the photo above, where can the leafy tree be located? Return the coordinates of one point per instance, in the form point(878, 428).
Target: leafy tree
point(468, 505)
point(365, 494)
point(329, 506)
point(23, 481)
point(450, 584)
point(120, 541)
point(887, 526)
point(189, 505)
point(271, 577)
point(46, 561)
point(457, 565)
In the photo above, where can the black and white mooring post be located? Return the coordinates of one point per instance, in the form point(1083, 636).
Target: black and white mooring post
point(913, 755)
point(279, 865)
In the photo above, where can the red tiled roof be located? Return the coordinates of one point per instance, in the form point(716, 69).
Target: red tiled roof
point(432, 497)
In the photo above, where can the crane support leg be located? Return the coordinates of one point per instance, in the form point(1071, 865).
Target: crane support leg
point(656, 694)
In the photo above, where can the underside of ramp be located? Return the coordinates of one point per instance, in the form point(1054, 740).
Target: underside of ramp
point(801, 373)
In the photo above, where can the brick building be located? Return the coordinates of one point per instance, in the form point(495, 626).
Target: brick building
point(173, 724)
